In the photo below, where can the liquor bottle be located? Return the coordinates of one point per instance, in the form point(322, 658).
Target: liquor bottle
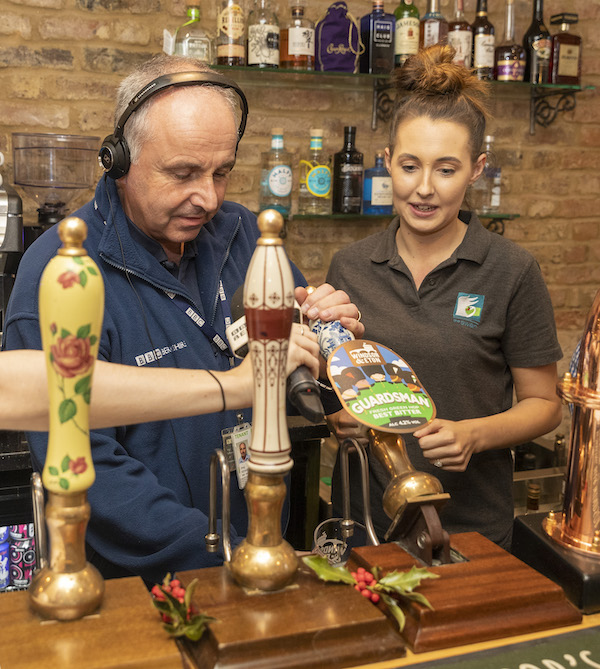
point(509, 56)
point(297, 51)
point(347, 176)
point(276, 176)
point(433, 27)
point(377, 31)
point(483, 43)
point(263, 35)
point(231, 34)
point(377, 188)
point(315, 178)
point(460, 35)
point(538, 45)
point(565, 57)
point(485, 193)
point(534, 491)
point(406, 42)
point(191, 40)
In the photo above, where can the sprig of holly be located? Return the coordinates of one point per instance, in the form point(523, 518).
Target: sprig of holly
point(178, 614)
point(369, 584)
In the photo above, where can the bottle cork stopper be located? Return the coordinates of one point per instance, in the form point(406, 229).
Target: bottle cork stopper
point(72, 232)
point(270, 224)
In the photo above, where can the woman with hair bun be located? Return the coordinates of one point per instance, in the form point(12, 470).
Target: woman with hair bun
point(467, 308)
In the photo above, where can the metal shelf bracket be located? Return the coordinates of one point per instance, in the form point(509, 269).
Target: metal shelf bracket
point(544, 112)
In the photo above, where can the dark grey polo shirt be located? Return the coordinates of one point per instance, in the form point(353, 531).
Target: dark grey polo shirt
point(481, 311)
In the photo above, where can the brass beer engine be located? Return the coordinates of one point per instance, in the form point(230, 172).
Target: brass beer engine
point(566, 545)
point(71, 304)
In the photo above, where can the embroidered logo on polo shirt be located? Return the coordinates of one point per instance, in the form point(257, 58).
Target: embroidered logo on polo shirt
point(468, 309)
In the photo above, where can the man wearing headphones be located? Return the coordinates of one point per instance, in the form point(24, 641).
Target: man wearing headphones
point(172, 253)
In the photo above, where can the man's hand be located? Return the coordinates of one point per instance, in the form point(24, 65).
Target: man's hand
point(345, 426)
point(304, 350)
point(329, 304)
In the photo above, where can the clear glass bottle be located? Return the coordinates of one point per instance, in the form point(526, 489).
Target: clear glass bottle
point(406, 41)
point(231, 33)
point(485, 193)
point(565, 58)
point(538, 46)
point(297, 47)
point(460, 35)
point(377, 31)
point(315, 178)
point(191, 40)
point(276, 176)
point(377, 188)
point(347, 183)
point(484, 43)
point(434, 27)
point(263, 35)
point(510, 56)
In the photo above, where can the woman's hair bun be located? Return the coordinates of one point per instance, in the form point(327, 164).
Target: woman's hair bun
point(432, 72)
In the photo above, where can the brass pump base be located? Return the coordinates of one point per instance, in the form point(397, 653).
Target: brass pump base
point(264, 560)
point(70, 587)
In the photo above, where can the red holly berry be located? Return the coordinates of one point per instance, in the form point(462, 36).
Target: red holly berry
point(375, 597)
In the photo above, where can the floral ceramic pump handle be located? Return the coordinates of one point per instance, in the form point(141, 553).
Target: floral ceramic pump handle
point(71, 304)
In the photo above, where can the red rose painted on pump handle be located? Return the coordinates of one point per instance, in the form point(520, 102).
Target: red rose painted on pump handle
point(68, 279)
point(71, 355)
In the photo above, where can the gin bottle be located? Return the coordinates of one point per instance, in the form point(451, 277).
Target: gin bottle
point(347, 176)
point(315, 178)
point(377, 34)
point(263, 36)
point(276, 176)
point(406, 42)
point(377, 188)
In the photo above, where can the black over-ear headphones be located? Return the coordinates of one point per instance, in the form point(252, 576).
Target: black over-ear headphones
point(114, 152)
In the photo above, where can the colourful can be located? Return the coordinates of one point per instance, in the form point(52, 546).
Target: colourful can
point(4, 565)
point(22, 562)
point(4, 535)
point(21, 532)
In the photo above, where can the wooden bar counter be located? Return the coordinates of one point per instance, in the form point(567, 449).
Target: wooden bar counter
point(128, 633)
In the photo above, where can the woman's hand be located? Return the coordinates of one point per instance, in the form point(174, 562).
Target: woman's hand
point(304, 350)
point(329, 304)
point(447, 444)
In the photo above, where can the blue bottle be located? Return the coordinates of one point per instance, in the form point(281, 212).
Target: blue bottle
point(377, 32)
point(377, 189)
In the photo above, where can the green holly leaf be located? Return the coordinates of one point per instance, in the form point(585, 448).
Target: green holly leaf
point(64, 465)
point(405, 582)
point(327, 572)
point(82, 279)
point(63, 483)
point(84, 331)
point(53, 471)
point(66, 410)
point(395, 610)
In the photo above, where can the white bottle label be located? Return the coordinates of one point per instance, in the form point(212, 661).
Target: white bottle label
point(301, 41)
point(263, 44)
point(381, 191)
point(231, 21)
point(407, 36)
point(280, 180)
point(168, 42)
point(484, 51)
point(461, 41)
point(431, 33)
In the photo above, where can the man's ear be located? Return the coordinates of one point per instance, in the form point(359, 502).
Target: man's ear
point(478, 168)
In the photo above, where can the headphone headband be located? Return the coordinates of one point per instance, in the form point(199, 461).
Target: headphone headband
point(114, 152)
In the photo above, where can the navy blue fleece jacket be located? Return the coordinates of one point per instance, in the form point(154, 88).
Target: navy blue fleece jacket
point(150, 498)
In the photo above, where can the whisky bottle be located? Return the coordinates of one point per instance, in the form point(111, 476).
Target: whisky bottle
point(231, 34)
point(297, 50)
point(377, 189)
point(565, 57)
point(509, 56)
point(315, 178)
point(263, 36)
point(191, 40)
point(538, 45)
point(433, 27)
point(377, 31)
point(276, 176)
point(460, 35)
point(347, 176)
point(406, 41)
point(483, 43)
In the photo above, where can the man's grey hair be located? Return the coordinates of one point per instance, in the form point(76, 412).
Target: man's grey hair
point(136, 130)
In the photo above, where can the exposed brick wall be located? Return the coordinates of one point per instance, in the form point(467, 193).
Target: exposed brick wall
point(60, 61)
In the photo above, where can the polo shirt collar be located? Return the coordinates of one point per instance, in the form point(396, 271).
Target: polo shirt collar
point(474, 246)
